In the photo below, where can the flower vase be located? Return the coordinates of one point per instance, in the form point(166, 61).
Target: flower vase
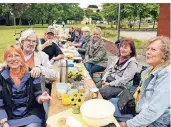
point(75, 83)
point(75, 109)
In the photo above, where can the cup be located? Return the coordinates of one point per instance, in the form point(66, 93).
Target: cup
point(60, 93)
point(66, 99)
point(64, 46)
point(94, 93)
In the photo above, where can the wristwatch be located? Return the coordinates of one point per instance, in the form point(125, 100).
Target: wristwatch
point(2, 124)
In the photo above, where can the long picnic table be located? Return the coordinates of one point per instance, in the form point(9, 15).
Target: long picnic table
point(57, 109)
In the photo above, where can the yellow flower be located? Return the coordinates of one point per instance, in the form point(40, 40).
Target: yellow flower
point(73, 101)
point(81, 93)
point(80, 101)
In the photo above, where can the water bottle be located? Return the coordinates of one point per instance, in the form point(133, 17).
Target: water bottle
point(81, 88)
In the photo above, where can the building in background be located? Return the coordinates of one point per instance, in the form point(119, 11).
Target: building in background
point(164, 20)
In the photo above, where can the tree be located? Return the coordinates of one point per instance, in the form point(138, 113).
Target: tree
point(77, 14)
point(130, 12)
point(96, 16)
point(88, 13)
point(5, 12)
point(143, 10)
point(17, 9)
point(110, 12)
point(154, 12)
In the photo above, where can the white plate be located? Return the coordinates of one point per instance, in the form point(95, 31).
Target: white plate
point(97, 108)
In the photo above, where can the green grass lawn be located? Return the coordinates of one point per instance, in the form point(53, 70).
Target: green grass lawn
point(7, 37)
point(7, 34)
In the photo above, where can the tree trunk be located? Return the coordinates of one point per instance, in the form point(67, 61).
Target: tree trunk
point(42, 22)
point(20, 22)
point(14, 25)
point(139, 24)
point(111, 24)
point(7, 18)
point(134, 23)
point(50, 22)
point(14, 21)
point(154, 24)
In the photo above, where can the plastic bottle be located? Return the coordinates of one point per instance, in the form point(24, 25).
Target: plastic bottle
point(81, 88)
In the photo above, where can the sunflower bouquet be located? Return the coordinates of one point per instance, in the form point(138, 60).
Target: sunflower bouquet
point(77, 99)
point(74, 77)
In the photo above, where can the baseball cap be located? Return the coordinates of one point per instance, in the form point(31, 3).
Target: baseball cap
point(50, 31)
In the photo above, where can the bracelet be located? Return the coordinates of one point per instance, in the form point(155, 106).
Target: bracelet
point(2, 124)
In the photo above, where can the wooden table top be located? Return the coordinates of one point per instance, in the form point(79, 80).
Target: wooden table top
point(56, 105)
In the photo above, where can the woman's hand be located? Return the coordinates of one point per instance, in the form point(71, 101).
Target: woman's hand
point(123, 124)
point(47, 43)
point(35, 72)
point(44, 97)
point(105, 84)
point(6, 125)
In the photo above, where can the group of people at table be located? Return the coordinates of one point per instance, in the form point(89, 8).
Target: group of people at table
point(24, 99)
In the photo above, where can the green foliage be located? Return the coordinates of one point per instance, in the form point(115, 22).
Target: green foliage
point(76, 14)
point(42, 12)
point(123, 24)
point(96, 16)
point(88, 13)
point(110, 11)
point(131, 12)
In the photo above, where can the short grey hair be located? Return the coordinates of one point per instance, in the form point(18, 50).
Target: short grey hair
point(85, 28)
point(27, 33)
point(165, 45)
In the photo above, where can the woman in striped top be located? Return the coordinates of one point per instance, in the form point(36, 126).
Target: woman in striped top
point(21, 96)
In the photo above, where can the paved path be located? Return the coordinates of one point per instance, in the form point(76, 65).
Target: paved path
point(143, 35)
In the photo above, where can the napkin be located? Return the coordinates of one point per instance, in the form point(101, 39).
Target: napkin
point(72, 122)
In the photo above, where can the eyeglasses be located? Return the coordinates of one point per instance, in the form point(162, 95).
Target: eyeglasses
point(13, 56)
point(31, 41)
point(96, 35)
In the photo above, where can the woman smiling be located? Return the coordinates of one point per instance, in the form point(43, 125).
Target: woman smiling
point(21, 96)
point(153, 105)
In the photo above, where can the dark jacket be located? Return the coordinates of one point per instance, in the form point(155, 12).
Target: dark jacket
point(72, 36)
point(6, 94)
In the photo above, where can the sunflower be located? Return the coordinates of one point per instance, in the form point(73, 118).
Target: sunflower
point(80, 101)
point(73, 100)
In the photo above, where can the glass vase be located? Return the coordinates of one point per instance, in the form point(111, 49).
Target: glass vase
point(75, 109)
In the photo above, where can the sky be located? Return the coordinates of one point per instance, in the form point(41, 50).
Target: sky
point(85, 4)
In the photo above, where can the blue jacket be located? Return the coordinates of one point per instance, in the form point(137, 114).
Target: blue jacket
point(154, 104)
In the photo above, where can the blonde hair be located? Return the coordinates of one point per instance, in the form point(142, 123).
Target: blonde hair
point(27, 33)
point(165, 46)
point(97, 30)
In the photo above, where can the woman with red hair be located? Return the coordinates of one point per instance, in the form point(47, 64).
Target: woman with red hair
point(21, 96)
point(121, 73)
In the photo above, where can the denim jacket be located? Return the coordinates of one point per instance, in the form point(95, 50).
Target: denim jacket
point(154, 104)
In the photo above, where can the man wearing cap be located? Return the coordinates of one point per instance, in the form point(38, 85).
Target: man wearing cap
point(50, 47)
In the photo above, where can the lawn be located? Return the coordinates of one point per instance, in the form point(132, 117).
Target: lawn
point(7, 37)
point(7, 34)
